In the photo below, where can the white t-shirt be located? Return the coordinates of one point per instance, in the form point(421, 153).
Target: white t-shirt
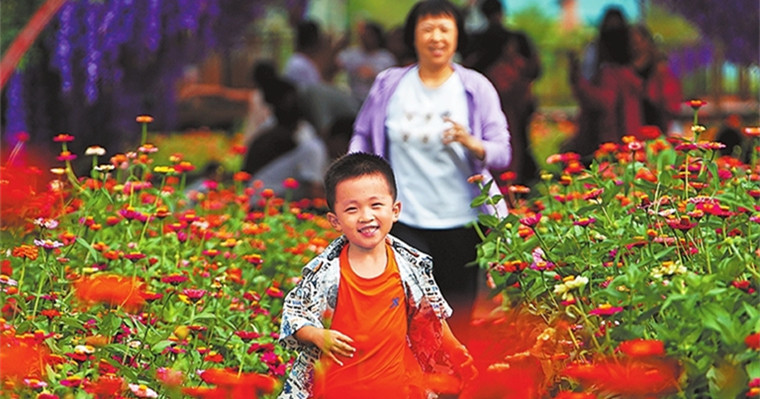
point(431, 176)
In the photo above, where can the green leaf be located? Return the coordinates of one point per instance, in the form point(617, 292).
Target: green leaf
point(161, 345)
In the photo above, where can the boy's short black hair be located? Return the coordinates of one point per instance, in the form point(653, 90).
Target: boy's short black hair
point(434, 8)
point(355, 165)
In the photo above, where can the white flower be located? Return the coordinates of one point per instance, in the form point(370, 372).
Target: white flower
point(84, 349)
point(104, 167)
point(95, 150)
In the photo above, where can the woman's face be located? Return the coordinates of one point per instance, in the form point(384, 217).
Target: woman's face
point(435, 39)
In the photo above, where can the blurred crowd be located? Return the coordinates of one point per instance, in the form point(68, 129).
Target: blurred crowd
point(301, 116)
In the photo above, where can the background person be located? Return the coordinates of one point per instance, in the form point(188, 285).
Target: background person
point(437, 123)
point(610, 102)
point(509, 59)
point(661, 100)
point(363, 62)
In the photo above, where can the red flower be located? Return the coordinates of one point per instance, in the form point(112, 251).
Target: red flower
point(267, 193)
point(683, 224)
point(574, 395)
point(753, 341)
point(628, 376)
point(642, 347)
point(106, 386)
point(194, 295)
point(290, 183)
point(696, 104)
point(134, 256)
point(650, 132)
point(174, 279)
point(63, 138)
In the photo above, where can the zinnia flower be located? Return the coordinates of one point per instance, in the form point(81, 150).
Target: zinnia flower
point(531, 221)
point(753, 341)
point(112, 290)
point(642, 347)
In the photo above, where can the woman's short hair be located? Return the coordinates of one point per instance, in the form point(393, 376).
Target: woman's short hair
point(434, 8)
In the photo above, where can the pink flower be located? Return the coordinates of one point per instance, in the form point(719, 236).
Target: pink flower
point(531, 221)
point(605, 310)
point(63, 138)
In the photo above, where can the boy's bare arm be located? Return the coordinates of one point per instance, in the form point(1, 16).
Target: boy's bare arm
point(460, 357)
point(330, 342)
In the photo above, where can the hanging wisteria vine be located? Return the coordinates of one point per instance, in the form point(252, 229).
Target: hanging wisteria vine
point(121, 58)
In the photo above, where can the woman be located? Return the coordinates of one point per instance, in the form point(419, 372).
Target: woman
point(610, 102)
point(437, 123)
point(661, 99)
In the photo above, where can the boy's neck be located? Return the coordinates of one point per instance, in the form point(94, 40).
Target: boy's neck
point(367, 263)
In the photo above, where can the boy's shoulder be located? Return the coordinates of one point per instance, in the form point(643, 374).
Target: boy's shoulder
point(409, 253)
point(329, 255)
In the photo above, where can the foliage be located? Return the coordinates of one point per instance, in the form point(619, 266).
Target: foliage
point(125, 284)
point(656, 241)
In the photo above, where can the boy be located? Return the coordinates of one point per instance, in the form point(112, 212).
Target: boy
point(367, 317)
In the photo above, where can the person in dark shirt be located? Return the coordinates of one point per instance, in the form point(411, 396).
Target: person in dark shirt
point(511, 63)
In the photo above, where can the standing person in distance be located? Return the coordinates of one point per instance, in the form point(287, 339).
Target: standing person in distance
point(367, 317)
point(438, 123)
point(509, 59)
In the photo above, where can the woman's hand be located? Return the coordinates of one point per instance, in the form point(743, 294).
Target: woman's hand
point(459, 134)
point(331, 342)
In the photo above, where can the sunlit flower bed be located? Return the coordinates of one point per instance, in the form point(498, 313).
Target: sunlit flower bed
point(635, 276)
point(121, 284)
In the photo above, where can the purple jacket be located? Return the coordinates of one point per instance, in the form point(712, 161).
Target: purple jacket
point(487, 122)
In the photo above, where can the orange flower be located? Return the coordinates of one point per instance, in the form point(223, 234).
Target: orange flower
point(22, 356)
point(574, 395)
point(111, 290)
point(753, 131)
point(642, 347)
point(26, 251)
point(144, 119)
point(696, 104)
point(237, 384)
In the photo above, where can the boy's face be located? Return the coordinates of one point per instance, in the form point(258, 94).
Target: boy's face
point(364, 210)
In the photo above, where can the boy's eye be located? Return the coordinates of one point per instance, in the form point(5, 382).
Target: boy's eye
point(350, 210)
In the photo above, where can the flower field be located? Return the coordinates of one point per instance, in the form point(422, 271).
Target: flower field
point(632, 277)
point(639, 271)
point(122, 284)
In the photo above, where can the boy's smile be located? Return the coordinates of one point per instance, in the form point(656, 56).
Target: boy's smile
point(364, 211)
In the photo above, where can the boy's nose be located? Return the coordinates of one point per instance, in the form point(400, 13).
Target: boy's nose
point(366, 216)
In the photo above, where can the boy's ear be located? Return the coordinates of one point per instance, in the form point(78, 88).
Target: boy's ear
point(396, 210)
point(333, 219)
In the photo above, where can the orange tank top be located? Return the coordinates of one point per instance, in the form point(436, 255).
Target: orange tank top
point(373, 313)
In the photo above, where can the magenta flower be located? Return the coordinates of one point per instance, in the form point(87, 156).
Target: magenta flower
point(193, 294)
point(583, 222)
point(605, 310)
point(531, 221)
point(683, 224)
